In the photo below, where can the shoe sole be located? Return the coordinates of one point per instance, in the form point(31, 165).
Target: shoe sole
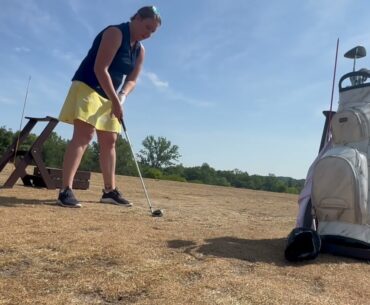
point(109, 200)
point(78, 205)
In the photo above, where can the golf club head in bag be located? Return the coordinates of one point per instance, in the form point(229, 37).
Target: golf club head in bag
point(154, 213)
point(354, 53)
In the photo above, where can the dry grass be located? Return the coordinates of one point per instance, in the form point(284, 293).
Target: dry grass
point(215, 245)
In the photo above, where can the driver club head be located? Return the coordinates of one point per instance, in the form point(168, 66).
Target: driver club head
point(356, 52)
point(157, 213)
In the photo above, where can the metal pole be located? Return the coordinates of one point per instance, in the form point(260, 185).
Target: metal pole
point(332, 93)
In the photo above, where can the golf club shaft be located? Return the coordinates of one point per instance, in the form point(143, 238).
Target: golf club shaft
point(137, 167)
point(332, 92)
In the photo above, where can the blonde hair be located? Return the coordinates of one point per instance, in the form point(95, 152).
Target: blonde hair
point(148, 12)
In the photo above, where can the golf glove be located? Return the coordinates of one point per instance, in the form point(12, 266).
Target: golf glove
point(122, 97)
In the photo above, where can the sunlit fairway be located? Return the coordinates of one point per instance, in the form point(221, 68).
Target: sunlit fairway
point(214, 245)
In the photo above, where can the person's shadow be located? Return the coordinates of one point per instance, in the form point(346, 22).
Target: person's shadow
point(264, 250)
point(14, 201)
point(269, 251)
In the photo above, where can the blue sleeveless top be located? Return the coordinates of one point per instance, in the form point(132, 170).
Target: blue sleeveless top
point(122, 64)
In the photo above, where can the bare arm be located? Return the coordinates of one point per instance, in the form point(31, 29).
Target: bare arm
point(130, 80)
point(109, 45)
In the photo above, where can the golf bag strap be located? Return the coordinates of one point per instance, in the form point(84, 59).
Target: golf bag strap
point(348, 251)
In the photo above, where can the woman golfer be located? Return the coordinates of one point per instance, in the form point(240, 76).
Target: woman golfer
point(95, 99)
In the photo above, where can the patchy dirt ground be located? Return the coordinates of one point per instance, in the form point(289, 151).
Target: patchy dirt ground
point(215, 245)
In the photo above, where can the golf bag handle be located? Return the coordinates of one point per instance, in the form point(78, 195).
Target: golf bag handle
point(364, 73)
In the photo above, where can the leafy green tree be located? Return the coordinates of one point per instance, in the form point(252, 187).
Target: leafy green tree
point(280, 187)
point(53, 150)
point(90, 159)
point(177, 170)
point(257, 182)
point(205, 174)
point(174, 173)
point(158, 153)
point(125, 164)
point(6, 139)
point(269, 182)
point(154, 173)
point(236, 178)
point(157, 161)
point(27, 143)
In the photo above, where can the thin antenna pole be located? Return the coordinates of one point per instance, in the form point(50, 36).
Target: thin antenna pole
point(20, 125)
point(332, 91)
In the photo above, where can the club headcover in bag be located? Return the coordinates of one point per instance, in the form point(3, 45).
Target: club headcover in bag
point(302, 244)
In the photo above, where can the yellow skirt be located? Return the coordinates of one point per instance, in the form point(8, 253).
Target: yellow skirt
point(85, 104)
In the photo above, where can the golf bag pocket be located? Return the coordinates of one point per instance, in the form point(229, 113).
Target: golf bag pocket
point(339, 186)
point(351, 125)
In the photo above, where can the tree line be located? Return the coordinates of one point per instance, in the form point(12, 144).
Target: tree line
point(158, 159)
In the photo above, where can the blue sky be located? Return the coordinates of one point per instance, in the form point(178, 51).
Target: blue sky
point(236, 84)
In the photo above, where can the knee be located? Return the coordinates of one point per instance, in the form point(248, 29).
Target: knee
point(82, 139)
point(83, 133)
point(108, 144)
point(107, 140)
point(87, 138)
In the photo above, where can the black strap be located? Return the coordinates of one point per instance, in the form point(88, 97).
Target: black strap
point(345, 249)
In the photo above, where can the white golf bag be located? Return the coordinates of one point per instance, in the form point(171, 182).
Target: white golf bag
point(334, 205)
point(340, 183)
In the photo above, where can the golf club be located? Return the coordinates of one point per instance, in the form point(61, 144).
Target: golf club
point(354, 53)
point(155, 213)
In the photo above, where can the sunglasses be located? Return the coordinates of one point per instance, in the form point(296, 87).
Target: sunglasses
point(155, 11)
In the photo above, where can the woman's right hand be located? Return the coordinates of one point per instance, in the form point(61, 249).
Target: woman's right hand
point(117, 111)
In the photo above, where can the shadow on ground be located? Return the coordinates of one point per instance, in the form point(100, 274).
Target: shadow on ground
point(269, 251)
point(263, 250)
point(14, 201)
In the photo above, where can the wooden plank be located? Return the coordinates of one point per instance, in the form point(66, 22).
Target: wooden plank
point(58, 173)
point(80, 181)
point(77, 184)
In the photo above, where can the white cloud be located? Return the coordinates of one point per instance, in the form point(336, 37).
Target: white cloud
point(6, 101)
point(67, 57)
point(155, 80)
point(171, 94)
point(189, 100)
point(22, 49)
